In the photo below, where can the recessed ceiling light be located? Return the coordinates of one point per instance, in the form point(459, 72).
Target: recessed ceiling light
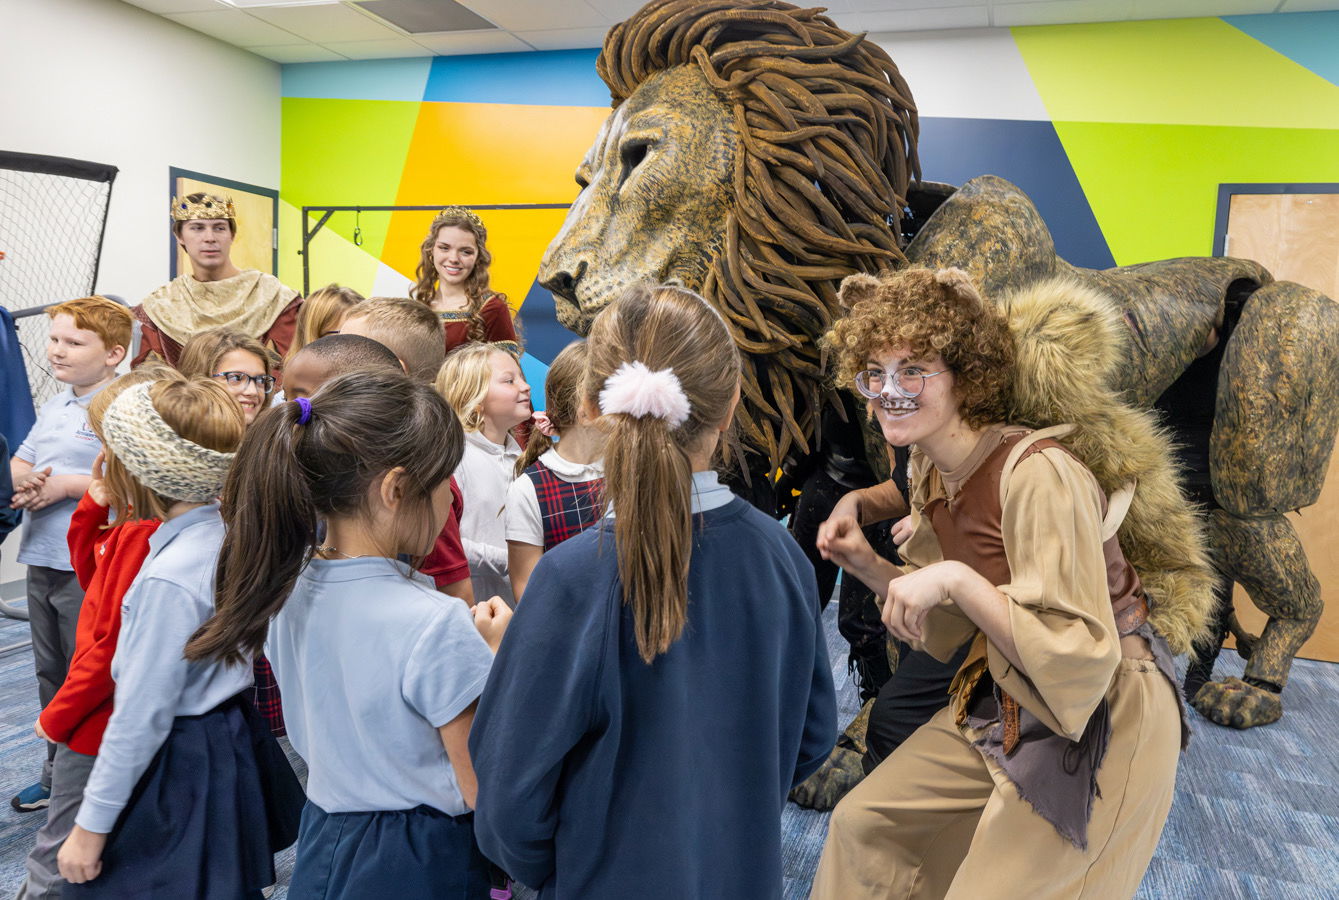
point(426, 16)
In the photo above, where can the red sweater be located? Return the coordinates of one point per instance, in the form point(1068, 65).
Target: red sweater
point(498, 325)
point(106, 562)
point(446, 564)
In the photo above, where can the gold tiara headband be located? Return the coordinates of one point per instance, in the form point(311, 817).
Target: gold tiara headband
point(208, 207)
point(463, 212)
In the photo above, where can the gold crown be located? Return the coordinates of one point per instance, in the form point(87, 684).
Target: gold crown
point(463, 212)
point(210, 206)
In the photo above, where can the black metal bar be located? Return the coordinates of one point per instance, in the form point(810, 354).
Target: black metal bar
point(102, 232)
point(38, 310)
point(306, 244)
point(331, 210)
point(56, 165)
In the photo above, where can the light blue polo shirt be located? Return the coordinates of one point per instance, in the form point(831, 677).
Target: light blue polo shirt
point(171, 597)
point(371, 661)
point(62, 439)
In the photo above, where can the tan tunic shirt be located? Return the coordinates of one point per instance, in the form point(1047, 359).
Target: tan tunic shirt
point(1060, 603)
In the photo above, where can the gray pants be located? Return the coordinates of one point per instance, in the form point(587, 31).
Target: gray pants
point(69, 776)
point(54, 598)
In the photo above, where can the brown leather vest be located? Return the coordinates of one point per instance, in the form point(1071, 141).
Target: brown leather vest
point(970, 530)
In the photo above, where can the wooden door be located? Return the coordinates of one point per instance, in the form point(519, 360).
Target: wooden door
point(1296, 237)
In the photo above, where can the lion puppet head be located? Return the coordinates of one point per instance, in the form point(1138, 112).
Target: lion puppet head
point(756, 154)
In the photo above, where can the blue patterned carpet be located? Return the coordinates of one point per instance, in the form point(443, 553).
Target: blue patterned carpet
point(1256, 813)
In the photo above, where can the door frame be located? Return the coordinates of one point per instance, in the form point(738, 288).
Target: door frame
point(1227, 191)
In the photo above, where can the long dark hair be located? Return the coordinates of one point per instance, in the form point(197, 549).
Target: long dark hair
point(288, 477)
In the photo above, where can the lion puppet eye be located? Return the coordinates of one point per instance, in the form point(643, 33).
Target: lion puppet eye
point(631, 154)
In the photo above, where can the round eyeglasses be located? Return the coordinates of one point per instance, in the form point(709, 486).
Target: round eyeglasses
point(235, 379)
point(907, 382)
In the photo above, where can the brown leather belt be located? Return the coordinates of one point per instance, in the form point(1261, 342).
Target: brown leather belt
point(1130, 614)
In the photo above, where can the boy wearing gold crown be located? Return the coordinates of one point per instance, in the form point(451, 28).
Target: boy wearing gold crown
point(215, 294)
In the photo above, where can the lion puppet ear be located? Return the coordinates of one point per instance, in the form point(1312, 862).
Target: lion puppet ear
point(856, 288)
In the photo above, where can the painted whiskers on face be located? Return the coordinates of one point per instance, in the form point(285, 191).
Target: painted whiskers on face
point(915, 399)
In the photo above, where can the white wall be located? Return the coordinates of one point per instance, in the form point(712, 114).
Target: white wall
point(970, 73)
point(105, 81)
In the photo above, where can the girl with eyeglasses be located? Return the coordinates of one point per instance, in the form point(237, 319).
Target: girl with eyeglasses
point(234, 360)
point(382, 671)
point(242, 365)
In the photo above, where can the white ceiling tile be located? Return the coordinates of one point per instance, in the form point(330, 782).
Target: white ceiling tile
point(174, 6)
point(617, 10)
point(1058, 12)
point(461, 42)
point(564, 38)
point(923, 19)
point(234, 27)
point(297, 53)
point(890, 5)
point(326, 24)
point(527, 15)
point(387, 49)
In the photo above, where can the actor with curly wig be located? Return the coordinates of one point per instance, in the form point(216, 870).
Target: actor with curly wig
point(1051, 769)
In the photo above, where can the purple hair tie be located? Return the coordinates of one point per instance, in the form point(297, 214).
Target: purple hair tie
point(306, 406)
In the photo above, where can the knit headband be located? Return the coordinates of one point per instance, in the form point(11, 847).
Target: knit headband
point(159, 458)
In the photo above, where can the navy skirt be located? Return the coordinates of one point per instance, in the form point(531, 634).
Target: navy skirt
point(207, 816)
point(411, 854)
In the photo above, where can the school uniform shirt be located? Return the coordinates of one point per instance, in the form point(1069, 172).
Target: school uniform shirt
point(484, 474)
point(525, 523)
point(371, 661)
point(171, 598)
point(62, 439)
point(601, 775)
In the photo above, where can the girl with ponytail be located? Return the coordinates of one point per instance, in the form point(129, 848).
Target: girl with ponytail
point(559, 486)
point(379, 671)
point(668, 665)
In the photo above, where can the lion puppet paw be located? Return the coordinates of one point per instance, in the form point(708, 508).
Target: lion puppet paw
point(1235, 704)
point(840, 772)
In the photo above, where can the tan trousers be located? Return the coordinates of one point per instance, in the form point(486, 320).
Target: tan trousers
point(935, 819)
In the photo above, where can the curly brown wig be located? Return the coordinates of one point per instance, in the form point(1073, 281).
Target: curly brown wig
point(930, 312)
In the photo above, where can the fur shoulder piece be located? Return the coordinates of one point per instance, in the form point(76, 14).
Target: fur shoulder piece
point(1068, 340)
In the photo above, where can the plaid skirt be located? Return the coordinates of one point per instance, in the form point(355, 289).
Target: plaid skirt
point(265, 697)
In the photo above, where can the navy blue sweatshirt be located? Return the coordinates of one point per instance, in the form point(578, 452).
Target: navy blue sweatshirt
point(601, 775)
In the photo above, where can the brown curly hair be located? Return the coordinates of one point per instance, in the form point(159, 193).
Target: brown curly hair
point(930, 312)
point(477, 288)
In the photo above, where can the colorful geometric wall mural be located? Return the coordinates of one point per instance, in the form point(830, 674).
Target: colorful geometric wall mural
point(1143, 121)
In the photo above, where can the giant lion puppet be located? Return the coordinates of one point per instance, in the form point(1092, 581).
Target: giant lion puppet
point(759, 154)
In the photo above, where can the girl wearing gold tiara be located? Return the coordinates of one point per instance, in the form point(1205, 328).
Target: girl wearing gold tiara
point(453, 281)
